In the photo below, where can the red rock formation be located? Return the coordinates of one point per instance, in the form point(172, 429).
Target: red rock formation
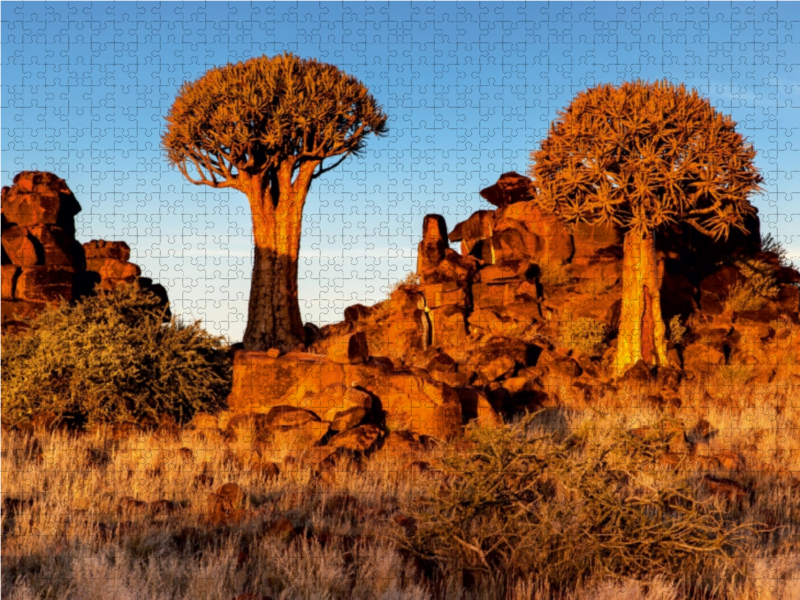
point(42, 262)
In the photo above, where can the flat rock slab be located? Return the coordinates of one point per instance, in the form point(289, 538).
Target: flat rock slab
point(409, 401)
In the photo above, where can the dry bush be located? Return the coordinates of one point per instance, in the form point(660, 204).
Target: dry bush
point(759, 286)
point(411, 280)
point(112, 357)
point(570, 512)
point(773, 245)
point(677, 330)
point(742, 297)
point(585, 335)
point(760, 277)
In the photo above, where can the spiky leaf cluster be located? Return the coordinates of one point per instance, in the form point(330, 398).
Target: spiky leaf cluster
point(642, 155)
point(244, 119)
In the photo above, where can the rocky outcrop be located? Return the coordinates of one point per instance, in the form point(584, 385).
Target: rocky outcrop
point(42, 262)
point(526, 315)
point(399, 399)
point(40, 255)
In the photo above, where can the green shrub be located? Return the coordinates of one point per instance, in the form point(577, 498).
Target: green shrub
point(585, 335)
point(522, 504)
point(113, 358)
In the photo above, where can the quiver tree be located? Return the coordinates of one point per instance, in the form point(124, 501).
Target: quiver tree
point(641, 156)
point(264, 127)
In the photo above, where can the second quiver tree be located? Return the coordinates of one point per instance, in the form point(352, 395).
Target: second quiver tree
point(642, 156)
point(264, 127)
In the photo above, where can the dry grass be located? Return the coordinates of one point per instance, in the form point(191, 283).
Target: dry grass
point(63, 536)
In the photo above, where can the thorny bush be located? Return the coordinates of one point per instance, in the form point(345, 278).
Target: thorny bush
point(522, 503)
point(113, 357)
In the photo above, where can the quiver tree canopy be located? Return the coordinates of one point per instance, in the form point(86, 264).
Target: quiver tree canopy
point(645, 155)
point(251, 117)
point(265, 127)
point(641, 156)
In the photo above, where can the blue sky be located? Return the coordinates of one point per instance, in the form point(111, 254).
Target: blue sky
point(470, 89)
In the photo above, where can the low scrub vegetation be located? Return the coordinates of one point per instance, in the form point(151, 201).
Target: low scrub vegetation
point(760, 277)
point(112, 357)
point(572, 512)
point(411, 280)
point(569, 504)
point(677, 330)
point(585, 335)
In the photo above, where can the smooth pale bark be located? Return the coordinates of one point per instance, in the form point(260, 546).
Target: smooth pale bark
point(642, 334)
point(274, 319)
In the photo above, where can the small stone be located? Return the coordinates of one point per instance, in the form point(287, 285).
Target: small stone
point(281, 528)
point(358, 439)
point(128, 505)
point(163, 507)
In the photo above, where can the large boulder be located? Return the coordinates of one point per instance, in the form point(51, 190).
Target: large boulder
point(405, 400)
point(38, 198)
point(19, 247)
point(43, 263)
point(453, 268)
point(44, 284)
point(103, 249)
point(509, 189)
point(350, 349)
point(499, 357)
point(438, 295)
point(548, 240)
point(449, 330)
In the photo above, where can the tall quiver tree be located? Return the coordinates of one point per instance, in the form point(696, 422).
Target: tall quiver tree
point(641, 156)
point(264, 127)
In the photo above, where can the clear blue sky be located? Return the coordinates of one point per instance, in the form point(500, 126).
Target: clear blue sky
point(470, 89)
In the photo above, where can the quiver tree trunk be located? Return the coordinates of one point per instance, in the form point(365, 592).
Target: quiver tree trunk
point(274, 319)
point(641, 329)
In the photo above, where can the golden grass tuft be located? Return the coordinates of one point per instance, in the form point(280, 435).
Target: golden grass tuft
point(565, 468)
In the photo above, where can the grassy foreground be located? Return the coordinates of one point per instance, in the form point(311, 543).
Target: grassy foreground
point(93, 516)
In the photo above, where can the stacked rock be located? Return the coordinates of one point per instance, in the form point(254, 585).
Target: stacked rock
point(43, 263)
point(524, 252)
point(40, 255)
point(108, 265)
point(110, 260)
point(445, 277)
